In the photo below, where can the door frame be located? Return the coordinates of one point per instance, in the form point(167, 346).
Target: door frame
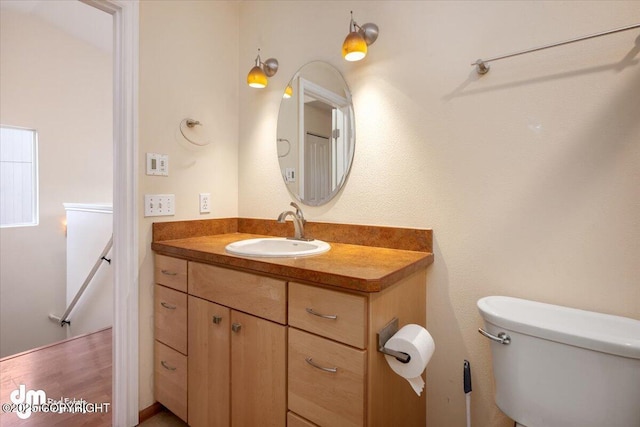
point(125, 212)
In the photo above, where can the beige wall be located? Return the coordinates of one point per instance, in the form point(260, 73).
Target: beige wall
point(528, 175)
point(61, 86)
point(188, 68)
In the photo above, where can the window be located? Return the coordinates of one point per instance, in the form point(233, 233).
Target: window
point(18, 177)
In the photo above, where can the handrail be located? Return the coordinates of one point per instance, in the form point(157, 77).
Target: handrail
point(62, 320)
point(482, 66)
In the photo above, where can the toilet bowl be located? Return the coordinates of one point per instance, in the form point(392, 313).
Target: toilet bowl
point(556, 366)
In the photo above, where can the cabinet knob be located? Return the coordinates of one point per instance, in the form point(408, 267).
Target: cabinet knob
point(217, 319)
point(236, 327)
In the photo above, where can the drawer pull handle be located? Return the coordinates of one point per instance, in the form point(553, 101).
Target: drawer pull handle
point(236, 327)
point(324, 316)
point(168, 306)
point(169, 273)
point(322, 368)
point(217, 319)
point(165, 365)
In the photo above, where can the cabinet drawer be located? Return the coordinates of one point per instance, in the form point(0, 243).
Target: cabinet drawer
point(170, 318)
point(258, 295)
point(332, 314)
point(170, 386)
point(294, 420)
point(171, 272)
point(326, 398)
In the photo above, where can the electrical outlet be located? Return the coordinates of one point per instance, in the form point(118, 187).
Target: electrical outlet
point(159, 204)
point(205, 203)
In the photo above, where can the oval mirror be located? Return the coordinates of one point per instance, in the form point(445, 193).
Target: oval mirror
point(316, 133)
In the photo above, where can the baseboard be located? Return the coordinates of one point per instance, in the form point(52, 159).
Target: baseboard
point(149, 412)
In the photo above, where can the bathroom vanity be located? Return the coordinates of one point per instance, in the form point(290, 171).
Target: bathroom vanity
point(285, 341)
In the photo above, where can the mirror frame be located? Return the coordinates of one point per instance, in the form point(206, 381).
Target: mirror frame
point(339, 166)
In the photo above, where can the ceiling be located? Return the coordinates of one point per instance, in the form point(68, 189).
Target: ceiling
point(74, 17)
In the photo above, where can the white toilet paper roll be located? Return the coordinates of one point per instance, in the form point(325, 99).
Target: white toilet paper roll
point(417, 342)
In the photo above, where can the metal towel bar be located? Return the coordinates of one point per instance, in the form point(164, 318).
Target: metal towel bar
point(482, 66)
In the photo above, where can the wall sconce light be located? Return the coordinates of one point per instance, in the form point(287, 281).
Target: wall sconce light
point(257, 77)
point(355, 45)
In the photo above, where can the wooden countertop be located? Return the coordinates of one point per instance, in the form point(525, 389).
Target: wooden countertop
point(349, 266)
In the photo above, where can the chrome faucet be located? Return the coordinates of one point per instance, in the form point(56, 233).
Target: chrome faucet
point(298, 222)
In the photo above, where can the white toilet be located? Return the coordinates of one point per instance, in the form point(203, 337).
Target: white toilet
point(562, 367)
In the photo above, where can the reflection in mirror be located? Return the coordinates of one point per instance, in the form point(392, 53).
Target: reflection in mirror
point(316, 133)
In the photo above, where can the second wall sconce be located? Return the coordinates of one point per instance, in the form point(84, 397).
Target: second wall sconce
point(257, 77)
point(355, 45)
point(288, 92)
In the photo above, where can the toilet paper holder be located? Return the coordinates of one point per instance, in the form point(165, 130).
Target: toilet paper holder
point(383, 336)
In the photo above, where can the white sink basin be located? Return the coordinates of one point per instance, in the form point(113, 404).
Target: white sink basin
point(277, 247)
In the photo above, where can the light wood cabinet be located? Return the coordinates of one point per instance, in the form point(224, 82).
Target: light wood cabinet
point(326, 380)
point(170, 320)
point(259, 295)
point(170, 329)
point(336, 376)
point(258, 372)
point(209, 363)
point(294, 420)
point(336, 315)
point(170, 369)
point(237, 368)
point(264, 351)
point(237, 343)
point(171, 272)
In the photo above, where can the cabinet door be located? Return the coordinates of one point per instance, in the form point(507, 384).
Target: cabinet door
point(209, 328)
point(258, 365)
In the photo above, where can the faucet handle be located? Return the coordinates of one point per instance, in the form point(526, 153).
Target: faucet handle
point(299, 213)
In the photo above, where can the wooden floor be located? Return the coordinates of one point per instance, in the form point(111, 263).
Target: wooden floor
point(78, 368)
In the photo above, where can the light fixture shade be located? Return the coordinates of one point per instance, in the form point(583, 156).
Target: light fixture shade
point(288, 92)
point(354, 47)
point(257, 78)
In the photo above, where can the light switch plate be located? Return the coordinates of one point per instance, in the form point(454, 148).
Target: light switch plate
point(290, 175)
point(159, 204)
point(157, 164)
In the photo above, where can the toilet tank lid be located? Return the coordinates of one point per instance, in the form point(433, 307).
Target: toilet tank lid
point(587, 329)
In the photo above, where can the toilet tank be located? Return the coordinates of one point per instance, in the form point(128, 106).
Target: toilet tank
point(564, 367)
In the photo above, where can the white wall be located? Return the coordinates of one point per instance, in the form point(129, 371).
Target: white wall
point(188, 68)
point(528, 175)
point(61, 86)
